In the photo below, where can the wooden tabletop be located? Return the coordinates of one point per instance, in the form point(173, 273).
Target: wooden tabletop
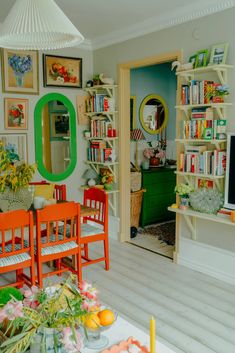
point(88, 211)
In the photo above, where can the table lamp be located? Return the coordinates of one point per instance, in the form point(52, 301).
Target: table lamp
point(91, 175)
point(137, 135)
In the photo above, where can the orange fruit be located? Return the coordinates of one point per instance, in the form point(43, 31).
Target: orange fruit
point(92, 321)
point(106, 317)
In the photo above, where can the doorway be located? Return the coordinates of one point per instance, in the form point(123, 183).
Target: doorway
point(124, 128)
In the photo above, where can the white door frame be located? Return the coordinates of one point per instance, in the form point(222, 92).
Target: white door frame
point(124, 133)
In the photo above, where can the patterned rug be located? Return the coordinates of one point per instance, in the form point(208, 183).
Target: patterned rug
point(165, 232)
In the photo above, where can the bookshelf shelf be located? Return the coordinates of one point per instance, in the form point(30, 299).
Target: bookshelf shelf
point(200, 136)
point(102, 144)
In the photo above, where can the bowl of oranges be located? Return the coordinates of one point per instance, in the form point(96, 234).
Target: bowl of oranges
point(94, 324)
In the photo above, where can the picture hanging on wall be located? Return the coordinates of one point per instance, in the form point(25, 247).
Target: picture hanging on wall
point(16, 143)
point(81, 110)
point(61, 71)
point(20, 71)
point(16, 113)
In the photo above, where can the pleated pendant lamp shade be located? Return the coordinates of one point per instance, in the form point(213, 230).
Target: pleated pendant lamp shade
point(38, 25)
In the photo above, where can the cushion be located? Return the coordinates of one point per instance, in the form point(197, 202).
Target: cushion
point(15, 259)
point(8, 247)
point(88, 229)
point(45, 191)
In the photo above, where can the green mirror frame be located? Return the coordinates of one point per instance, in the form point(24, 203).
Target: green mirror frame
point(38, 136)
point(143, 103)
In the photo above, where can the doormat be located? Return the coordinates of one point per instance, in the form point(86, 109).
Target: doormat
point(164, 231)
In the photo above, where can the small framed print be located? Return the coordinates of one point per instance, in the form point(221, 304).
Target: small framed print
point(219, 54)
point(62, 71)
point(208, 133)
point(16, 113)
point(20, 71)
point(59, 126)
point(17, 143)
point(201, 58)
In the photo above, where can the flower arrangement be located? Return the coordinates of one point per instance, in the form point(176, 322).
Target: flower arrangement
point(16, 114)
point(217, 93)
point(62, 74)
point(183, 190)
point(14, 173)
point(20, 64)
point(155, 149)
point(107, 178)
point(61, 308)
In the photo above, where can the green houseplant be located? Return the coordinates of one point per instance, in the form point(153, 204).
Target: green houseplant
point(15, 176)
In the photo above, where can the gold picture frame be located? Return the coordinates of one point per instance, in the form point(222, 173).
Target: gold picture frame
point(16, 113)
point(20, 71)
point(62, 71)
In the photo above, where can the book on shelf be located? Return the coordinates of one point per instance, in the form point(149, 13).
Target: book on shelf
point(220, 129)
point(199, 92)
point(100, 126)
point(205, 183)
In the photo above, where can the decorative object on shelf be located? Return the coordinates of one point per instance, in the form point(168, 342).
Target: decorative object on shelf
point(14, 180)
point(181, 67)
point(20, 71)
point(38, 25)
point(62, 71)
point(184, 190)
point(156, 152)
point(192, 60)
point(107, 178)
point(206, 200)
point(91, 175)
point(201, 58)
point(218, 54)
point(96, 80)
point(217, 93)
point(89, 83)
point(49, 318)
point(137, 135)
point(87, 133)
point(106, 80)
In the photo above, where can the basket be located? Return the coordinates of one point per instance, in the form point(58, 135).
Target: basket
point(135, 181)
point(136, 202)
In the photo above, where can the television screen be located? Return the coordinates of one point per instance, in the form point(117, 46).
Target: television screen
point(229, 200)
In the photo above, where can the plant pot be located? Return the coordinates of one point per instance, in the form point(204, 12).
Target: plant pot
point(184, 203)
point(108, 187)
point(145, 164)
point(154, 161)
point(15, 200)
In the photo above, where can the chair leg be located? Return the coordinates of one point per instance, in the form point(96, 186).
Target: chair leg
point(106, 253)
point(58, 266)
point(79, 265)
point(19, 273)
point(39, 270)
point(86, 252)
point(32, 273)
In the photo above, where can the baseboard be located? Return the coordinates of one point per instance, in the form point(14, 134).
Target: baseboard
point(207, 259)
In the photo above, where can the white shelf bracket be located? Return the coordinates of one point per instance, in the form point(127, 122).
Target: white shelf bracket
point(95, 167)
point(221, 112)
point(222, 75)
point(113, 203)
point(191, 223)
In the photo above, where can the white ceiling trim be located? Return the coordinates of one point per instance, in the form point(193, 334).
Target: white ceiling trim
point(176, 17)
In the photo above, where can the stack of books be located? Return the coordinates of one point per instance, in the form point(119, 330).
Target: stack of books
point(98, 152)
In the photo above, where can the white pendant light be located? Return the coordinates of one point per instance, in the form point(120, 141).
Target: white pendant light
point(38, 25)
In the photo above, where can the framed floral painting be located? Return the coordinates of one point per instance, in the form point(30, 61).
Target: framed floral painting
point(17, 144)
point(20, 71)
point(62, 71)
point(16, 113)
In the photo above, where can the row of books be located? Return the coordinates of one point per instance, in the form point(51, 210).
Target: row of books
point(198, 92)
point(196, 159)
point(204, 129)
point(100, 103)
point(98, 152)
point(100, 127)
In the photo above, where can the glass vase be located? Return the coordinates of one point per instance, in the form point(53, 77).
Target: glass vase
point(19, 77)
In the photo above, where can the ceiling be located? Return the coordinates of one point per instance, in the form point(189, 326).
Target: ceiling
point(104, 22)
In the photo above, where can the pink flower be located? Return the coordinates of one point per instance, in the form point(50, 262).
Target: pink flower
point(161, 154)
point(90, 305)
point(31, 297)
point(12, 310)
point(148, 153)
point(88, 291)
point(70, 344)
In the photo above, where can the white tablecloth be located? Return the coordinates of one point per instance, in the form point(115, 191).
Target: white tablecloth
point(121, 330)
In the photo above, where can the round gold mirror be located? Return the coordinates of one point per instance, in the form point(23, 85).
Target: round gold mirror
point(153, 114)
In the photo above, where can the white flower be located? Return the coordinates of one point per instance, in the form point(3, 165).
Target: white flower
point(60, 79)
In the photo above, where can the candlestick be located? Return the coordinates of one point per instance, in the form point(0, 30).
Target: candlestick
point(152, 335)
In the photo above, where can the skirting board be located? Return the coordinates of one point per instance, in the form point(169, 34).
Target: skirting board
point(207, 259)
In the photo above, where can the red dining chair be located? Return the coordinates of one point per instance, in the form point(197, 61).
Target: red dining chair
point(16, 256)
point(58, 243)
point(94, 228)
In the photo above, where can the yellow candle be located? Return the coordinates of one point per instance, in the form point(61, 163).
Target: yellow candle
point(152, 335)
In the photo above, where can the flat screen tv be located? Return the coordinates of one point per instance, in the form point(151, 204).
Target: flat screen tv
point(229, 197)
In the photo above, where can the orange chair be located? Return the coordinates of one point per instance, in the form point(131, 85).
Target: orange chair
point(97, 230)
point(59, 192)
point(62, 223)
point(16, 256)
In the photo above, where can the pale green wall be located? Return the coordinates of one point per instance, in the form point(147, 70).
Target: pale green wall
point(213, 29)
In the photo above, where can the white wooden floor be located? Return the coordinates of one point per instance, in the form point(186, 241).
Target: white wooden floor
point(195, 313)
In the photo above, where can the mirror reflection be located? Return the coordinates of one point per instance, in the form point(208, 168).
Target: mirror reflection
point(55, 137)
point(153, 114)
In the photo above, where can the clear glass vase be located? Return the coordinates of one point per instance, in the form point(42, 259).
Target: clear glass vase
point(19, 77)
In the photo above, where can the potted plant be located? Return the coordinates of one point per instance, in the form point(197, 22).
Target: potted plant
point(15, 176)
point(155, 153)
point(184, 190)
point(107, 179)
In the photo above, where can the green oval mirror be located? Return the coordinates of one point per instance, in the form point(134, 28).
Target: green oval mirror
point(153, 114)
point(55, 136)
